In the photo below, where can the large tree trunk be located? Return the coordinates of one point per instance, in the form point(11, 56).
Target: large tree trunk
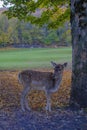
point(79, 52)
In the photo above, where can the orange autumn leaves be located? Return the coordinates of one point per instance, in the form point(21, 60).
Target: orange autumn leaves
point(10, 92)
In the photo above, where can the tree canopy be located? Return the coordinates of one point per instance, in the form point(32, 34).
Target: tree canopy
point(53, 13)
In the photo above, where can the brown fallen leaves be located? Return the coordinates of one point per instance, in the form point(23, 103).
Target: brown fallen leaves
point(10, 92)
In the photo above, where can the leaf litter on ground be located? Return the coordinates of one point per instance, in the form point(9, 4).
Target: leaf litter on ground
point(12, 118)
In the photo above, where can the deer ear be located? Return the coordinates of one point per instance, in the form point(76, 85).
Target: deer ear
point(53, 64)
point(65, 64)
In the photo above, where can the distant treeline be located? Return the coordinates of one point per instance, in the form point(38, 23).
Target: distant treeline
point(23, 34)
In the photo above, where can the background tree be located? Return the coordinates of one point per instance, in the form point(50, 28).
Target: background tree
point(20, 33)
point(54, 14)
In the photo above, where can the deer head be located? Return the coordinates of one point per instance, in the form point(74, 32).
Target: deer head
point(58, 69)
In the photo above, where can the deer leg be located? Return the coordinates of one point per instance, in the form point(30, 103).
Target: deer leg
point(26, 101)
point(48, 105)
point(23, 98)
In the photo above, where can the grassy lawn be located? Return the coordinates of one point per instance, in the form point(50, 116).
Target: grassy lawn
point(33, 58)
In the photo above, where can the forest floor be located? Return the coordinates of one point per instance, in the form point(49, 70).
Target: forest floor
point(61, 118)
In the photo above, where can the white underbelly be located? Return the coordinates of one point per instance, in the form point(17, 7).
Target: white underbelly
point(37, 85)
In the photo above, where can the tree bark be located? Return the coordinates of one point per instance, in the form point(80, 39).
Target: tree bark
point(79, 53)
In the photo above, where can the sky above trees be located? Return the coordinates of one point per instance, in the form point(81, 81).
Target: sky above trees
point(1, 3)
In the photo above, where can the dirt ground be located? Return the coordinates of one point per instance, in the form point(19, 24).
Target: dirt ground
point(12, 118)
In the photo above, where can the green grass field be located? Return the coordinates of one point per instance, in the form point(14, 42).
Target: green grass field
point(33, 58)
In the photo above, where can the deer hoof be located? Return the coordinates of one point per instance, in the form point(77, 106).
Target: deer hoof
point(48, 109)
point(23, 109)
point(28, 108)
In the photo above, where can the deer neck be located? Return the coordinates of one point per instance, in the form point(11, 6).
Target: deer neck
point(57, 82)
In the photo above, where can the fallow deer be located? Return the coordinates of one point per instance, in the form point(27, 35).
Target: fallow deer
point(47, 81)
